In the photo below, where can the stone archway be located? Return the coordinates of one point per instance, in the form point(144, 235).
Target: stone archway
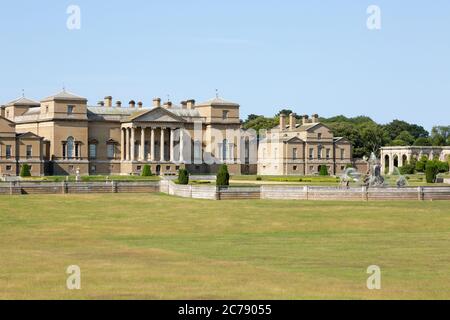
point(396, 162)
point(387, 162)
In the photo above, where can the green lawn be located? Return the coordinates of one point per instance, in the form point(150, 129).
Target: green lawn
point(152, 246)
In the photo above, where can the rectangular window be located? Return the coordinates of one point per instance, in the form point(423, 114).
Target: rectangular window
point(342, 154)
point(311, 153)
point(29, 151)
point(93, 151)
point(319, 136)
point(294, 154)
point(319, 152)
point(8, 168)
point(8, 151)
point(111, 151)
point(70, 110)
point(328, 154)
point(225, 115)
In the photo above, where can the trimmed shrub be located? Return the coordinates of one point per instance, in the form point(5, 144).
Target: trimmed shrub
point(443, 166)
point(323, 171)
point(431, 171)
point(183, 177)
point(223, 177)
point(146, 171)
point(25, 171)
point(407, 169)
point(421, 164)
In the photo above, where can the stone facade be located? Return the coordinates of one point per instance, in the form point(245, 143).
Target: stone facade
point(294, 148)
point(396, 157)
point(62, 134)
point(65, 134)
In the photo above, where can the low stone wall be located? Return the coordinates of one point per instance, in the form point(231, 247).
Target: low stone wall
point(74, 187)
point(271, 192)
point(362, 193)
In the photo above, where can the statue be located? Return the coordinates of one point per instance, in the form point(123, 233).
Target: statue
point(77, 175)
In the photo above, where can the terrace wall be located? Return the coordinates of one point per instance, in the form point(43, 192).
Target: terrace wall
point(271, 192)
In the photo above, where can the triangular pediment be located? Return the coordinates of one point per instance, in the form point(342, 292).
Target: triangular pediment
point(29, 135)
point(318, 126)
point(157, 115)
point(295, 140)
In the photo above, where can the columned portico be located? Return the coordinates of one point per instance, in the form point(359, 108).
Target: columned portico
point(162, 147)
point(142, 156)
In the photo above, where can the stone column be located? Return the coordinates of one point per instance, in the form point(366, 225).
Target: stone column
point(152, 146)
point(127, 141)
point(162, 159)
point(181, 160)
point(172, 158)
point(122, 145)
point(391, 163)
point(142, 151)
point(132, 144)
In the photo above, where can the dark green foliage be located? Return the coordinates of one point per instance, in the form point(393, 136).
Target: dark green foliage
point(323, 171)
point(421, 164)
point(183, 177)
point(422, 142)
point(443, 166)
point(146, 171)
point(25, 171)
point(431, 171)
point(407, 169)
point(223, 177)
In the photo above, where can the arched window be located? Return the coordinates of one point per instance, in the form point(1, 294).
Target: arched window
point(70, 147)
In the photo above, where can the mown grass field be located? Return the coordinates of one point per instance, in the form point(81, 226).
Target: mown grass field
point(152, 246)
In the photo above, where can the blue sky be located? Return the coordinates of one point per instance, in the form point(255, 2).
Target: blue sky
point(310, 56)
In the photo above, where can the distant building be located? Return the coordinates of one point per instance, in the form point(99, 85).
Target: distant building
point(300, 149)
point(396, 157)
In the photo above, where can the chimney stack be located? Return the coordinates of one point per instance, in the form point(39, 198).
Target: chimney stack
point(157, 103)
point(315, 118)
point(191, 104)
point(282, 122)
point(119, 104)
point(140, 104)
point(168, 105)
point(305, 119)
point(183, 104)
point(108, 101)
point(292, 121)
point(132, 104)
point(101, 103)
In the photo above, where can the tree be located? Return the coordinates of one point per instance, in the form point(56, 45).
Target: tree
point(223, 177)
point(323, 170)
point(422, 142)
point(398, 143)
point(421, 164)
point(183, 177)
point(440, 135)
point(406, 137)
point(396, 127)
point(261, 123)
point(25, 171)
point(374, 138)
point(146, 171)
point(431, 171)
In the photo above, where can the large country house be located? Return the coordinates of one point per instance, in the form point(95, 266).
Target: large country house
point(62, 135)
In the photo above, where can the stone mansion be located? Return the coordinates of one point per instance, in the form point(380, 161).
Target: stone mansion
point(62, 134)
